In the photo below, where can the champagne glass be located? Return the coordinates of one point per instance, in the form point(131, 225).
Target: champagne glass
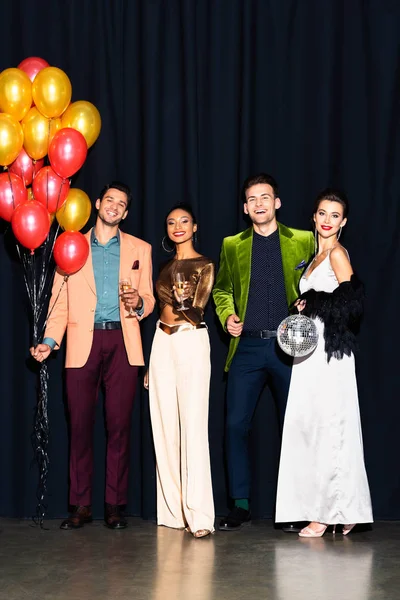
point(179, 282)
point(125, 285)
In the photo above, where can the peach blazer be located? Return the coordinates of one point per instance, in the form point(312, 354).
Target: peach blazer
point(74, 302)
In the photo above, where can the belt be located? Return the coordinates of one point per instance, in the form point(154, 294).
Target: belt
point(107, 325)
point(170, 329)
point(260, 333)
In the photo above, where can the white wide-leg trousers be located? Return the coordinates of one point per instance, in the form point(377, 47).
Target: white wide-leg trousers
point(179, 381)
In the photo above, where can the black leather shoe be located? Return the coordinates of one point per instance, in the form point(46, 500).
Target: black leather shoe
point(237, 518)
point(114, 518)
point(291, 528)
point(77, 519)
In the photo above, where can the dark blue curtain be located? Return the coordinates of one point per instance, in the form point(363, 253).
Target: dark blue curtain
point(194, 96)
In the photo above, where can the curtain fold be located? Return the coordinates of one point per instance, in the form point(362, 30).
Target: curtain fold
point(194, 96)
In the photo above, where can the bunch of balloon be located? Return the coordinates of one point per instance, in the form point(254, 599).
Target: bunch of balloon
point(44, 140)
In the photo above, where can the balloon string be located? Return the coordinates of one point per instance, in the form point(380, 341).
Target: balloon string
point(59, 192)
point(47, 189)
point(44, 273)
point(38, 272)
point(25, 273)
point(48, 143)
point(11, 188)
point(35, 300)
point(40, 440)
point(34, 173)
point(55, 302)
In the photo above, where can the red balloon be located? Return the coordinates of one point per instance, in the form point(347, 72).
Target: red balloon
point(25, 167)
point(67, 151)
point(30, 224)
point(32, 65)
point(71, 251)
point(50, 189)
point(12, 193)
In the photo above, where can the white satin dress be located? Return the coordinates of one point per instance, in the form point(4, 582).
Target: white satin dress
point(322, 474)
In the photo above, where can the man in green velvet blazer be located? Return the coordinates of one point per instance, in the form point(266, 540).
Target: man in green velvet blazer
point(257, 282)
point(232, 286)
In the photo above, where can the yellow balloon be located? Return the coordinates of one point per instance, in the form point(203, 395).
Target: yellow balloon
point(15, 93)
point(84, 117)
point(11, 139)
point(55, 125)
point(51, 91)
point(75, 213)
point(38, 133)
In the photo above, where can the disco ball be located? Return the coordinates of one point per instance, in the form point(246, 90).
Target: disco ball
point(297, 335)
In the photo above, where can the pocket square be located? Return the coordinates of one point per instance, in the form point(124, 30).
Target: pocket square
point(135, 265)
point(301, 265)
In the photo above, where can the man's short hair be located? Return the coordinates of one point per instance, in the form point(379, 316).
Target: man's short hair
point(256, 179)
point(117, 185)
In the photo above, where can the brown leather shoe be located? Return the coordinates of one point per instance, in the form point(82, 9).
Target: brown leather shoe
point(79, 516)
point(114, 518)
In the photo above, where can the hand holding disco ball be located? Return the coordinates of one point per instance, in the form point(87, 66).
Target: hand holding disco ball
point(297, 335)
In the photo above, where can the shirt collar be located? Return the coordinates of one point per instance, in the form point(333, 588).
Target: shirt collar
point(267, 238)
point(113, 240)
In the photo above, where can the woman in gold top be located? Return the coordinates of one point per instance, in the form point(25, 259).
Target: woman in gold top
point(179, 381)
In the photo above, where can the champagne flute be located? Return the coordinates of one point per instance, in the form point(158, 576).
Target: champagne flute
point(125, 285)
point(179, 282)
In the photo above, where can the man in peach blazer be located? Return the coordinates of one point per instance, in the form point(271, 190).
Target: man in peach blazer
point(103, 347)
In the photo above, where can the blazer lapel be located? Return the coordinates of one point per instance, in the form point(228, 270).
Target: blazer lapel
point(243, 250)
point(288, 258)
point(127, 256)
point(87, 269)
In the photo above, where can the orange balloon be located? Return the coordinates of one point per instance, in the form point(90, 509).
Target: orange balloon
point(38, 133)
point(51, 91)
point(11, 139)
point(84, 117)
point(15, 93)
point(75, 213)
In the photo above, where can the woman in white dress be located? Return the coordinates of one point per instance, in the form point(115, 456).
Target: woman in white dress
point(322, 477)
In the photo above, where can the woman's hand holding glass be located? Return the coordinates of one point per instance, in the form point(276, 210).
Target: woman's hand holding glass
point(182, 290)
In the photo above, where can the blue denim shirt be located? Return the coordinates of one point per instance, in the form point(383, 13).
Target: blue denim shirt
point(105, 261)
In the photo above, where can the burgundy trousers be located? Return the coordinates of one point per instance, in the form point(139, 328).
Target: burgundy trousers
point(108, 365)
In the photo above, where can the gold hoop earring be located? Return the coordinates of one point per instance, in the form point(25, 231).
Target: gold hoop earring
point(168, 250)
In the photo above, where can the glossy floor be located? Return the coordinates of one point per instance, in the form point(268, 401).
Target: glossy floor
point(154, 563)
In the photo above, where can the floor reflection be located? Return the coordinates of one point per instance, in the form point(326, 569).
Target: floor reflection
point(335, 567)
point(185, 566)
point(147, 562)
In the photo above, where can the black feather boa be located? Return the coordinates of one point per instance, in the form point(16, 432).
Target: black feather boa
point(341, 312)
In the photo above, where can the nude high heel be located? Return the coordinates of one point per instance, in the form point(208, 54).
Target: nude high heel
point(348, 528)
point(200, 533)
point(307, 532)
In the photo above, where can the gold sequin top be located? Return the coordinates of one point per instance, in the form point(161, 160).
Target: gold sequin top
point(199, 272)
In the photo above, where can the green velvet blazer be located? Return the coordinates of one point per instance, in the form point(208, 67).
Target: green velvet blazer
point(231, 288)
